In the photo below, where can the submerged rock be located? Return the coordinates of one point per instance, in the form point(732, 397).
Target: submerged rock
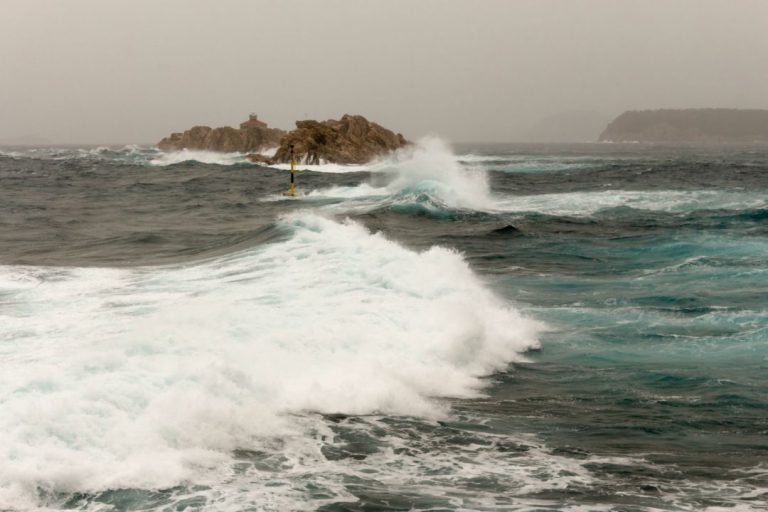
point(508, 230)
point(350, 140)
point(259, 159)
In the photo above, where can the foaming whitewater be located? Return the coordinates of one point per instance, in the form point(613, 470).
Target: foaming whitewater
point(585, 204)
point(206, 157)
point(128, 154)
point(132, 155)
point(328, 167)
point(286, 360)
point(431, 168)
point(427, 173)
point(153, 377)
point(528, 164)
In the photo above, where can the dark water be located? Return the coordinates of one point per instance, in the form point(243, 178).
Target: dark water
point(132, 289)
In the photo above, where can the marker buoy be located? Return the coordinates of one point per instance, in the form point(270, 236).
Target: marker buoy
point(292, 189)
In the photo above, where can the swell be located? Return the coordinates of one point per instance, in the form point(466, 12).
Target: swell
point(75, 212)
point(153, 377)
point(74, 209)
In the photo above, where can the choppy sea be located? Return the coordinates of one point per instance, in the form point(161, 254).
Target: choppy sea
point(476, 328)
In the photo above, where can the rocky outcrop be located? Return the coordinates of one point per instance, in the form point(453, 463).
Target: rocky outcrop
point(226, 139)
point(705, 126)
point(350, 140)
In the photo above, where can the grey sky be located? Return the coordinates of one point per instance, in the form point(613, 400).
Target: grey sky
point(101, 71)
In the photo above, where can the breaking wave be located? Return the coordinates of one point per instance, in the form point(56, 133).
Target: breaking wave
point(147, 378)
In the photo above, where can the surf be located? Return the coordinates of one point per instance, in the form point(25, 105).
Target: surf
point(426, 174)
point(149, 377)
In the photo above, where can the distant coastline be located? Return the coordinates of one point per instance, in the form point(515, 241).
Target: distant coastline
point(699, 126)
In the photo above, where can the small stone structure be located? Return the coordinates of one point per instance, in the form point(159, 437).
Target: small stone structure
point(252, 122)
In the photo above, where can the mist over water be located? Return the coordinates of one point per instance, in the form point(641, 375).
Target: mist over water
point(504, 328)
point(479, 327)
point(489, 71)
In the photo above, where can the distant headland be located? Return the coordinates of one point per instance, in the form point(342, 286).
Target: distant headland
point(350, 140)
point(702, 126)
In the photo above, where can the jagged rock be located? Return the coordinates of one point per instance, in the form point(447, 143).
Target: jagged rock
point(226, 139)
point(705, 125)
point(350, 140)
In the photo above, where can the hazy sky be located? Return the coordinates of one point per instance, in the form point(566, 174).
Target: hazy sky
point(111, 71)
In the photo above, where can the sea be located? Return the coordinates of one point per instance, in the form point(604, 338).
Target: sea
point(459, 327)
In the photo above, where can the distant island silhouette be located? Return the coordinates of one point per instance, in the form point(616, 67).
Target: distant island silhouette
point(704, 126)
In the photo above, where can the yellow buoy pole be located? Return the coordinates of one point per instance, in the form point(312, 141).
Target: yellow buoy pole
point(292, 190)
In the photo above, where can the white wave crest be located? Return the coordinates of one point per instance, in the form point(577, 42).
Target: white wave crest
point(207, 157)
point(588, 203)
point(428, 167)
point(120, 378)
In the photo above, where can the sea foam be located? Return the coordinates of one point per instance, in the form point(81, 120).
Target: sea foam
point(427, 171)
point(146, 378)
point(583, 204)
point(162, 159)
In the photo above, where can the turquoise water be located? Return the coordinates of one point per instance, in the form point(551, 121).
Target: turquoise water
point(489, 328)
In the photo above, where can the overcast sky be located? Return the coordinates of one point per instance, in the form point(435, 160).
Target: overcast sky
point(119, 71)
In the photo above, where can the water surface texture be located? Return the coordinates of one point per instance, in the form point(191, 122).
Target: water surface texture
point(479, 328)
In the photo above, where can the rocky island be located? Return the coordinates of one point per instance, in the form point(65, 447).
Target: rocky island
point(350, 140)
point(703, 126)
point(253, 135)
